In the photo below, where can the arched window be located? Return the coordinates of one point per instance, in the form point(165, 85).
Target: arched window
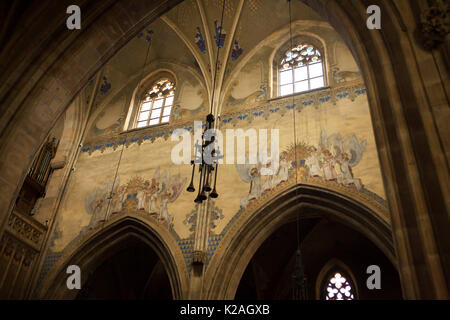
point(301, 69)
point(336, 282)
point(339, 287)
point(156, 105)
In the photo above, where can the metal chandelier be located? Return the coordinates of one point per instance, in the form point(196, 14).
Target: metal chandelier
point(206, 169)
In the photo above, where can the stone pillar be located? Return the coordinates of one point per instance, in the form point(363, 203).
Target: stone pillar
point(199, 255)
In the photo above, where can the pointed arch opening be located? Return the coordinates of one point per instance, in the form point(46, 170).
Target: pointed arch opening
point(127, 259)
point(256, 260)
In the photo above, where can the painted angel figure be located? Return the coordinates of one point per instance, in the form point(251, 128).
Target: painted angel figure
point(283, 172)
point(272, 167)
point(347, 173)
point(141, 195)
point(252, 174)
point(149, 192)
point(117, 197)
point(153, 193)
point(96, 204)
point(153, 201)
point(355, 149)
point(351, 156)
point(348, 153)
point(269, 183)
point(328, 163)
point(172, 189)
point(334, 143)
point(313, 162)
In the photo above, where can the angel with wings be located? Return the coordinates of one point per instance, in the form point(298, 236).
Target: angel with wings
point(312, 161)
point(172, 187)
point(152, 193)
point(250, 173)
point(283, 172)
point(117, 197)
point(96, 204)
point(347, 153)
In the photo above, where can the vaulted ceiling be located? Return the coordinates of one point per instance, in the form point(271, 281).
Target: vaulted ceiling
point(185, 36)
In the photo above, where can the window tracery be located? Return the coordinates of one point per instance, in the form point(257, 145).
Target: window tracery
point(338, 288)
point(301, 69)
point(156, 105)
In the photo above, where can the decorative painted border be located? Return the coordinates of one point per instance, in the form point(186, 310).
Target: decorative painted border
point(283, 105)
point(263, 109)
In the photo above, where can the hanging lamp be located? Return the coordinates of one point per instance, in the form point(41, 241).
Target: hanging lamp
point(299, 280)
point(206, 169)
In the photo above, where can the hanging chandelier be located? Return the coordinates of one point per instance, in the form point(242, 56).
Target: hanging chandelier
point(299, 280)
point(206, 169)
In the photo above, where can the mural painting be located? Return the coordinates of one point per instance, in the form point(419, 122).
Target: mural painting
point(199, 41)
point(237, 50)
point(332, 160)
point(220, 35)
point(249, 86)
point(149, 196)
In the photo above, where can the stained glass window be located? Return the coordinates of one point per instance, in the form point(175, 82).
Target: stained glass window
point(301, 70)
point(157, 104)
point(338, 288)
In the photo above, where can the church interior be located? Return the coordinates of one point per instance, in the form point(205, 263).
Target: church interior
point(356, 209)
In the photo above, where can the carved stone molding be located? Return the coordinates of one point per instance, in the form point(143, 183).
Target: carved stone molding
point(434, 24)
point(26, 229)
point(199, 257)
point(59, 163)
point(17, 250)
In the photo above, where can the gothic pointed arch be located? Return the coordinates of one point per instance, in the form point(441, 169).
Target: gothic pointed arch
point(254, 227)
point(104, 242)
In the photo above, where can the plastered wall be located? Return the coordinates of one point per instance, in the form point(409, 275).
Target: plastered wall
point(120, 171)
